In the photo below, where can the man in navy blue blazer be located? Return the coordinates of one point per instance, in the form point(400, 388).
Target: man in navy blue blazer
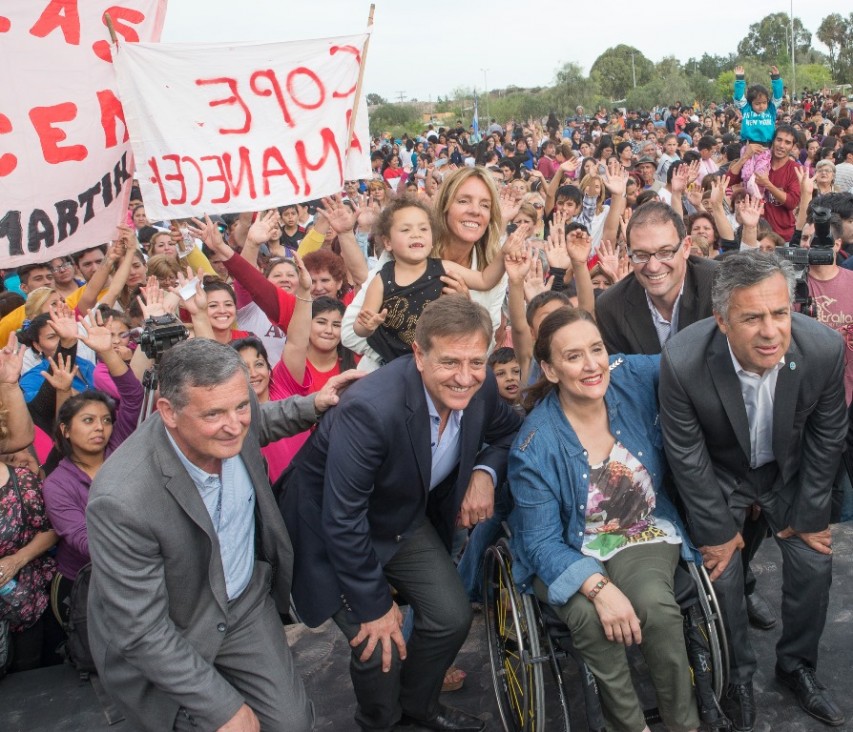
point(372, 501)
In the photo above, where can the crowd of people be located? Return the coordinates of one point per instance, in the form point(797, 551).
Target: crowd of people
point(573, 325)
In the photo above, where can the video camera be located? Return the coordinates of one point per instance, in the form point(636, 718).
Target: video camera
point(820, 253)
point(159, 334)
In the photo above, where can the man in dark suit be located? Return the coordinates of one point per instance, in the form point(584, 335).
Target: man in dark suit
point(753, 412)
point(191, 562)
point(371, 503)
point(667, 290)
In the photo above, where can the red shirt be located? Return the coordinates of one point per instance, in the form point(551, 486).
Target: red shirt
point(780, 216)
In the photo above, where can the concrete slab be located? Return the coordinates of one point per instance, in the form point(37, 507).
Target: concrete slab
point(53, 700)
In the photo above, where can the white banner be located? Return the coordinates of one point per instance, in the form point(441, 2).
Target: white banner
point(65, 161)
point(225, 128)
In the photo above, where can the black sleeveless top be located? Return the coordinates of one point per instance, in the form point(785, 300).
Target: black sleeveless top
point(405, 304)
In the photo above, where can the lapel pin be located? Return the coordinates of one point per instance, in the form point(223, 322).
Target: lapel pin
point(792, 366)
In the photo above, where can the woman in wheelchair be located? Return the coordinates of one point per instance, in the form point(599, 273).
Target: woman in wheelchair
point(593, 533)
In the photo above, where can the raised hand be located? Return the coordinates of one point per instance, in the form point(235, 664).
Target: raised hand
point(341, 218)
point(555, 248)
point(570, 165)
point(608, 258)
point(11, 361)
point(679, 180)
point(304, 276)
point(579, 246)
point(197, 302)
point(616, 178)
point(155, 301)
point(750, 209)
point(369, 320)
point(97, 334)
point(694, 195)
point(719, 186)
point(368, 212)
point(693, 171)
point(535, 283)
point(63, 322)
point(209, 233)
point(806, 181)
point(515, 240)
point(738, 70)
point(518, 266)
point(774, 71)
point(61, 374)
point(510, 202)
point(261, 230)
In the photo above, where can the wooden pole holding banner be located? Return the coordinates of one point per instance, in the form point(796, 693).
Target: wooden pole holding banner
point(112, 30)
point(358, 84)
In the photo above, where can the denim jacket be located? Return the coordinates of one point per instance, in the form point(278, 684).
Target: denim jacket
point(549, 479)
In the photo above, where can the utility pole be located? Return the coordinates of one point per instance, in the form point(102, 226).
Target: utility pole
point(401, 96)
point(634, 70)
point(793, 56)
point(486, 96)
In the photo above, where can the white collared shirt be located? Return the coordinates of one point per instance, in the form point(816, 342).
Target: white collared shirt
point(758, 394)
point(663, 327)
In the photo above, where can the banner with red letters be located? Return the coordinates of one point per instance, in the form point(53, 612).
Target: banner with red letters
point(224, 128)
point(65, 159)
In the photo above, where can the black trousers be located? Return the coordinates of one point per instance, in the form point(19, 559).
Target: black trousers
point(806, 579)
point(422, 573)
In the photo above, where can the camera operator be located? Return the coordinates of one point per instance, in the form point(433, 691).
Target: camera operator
point(831, 288)
point(841, 205)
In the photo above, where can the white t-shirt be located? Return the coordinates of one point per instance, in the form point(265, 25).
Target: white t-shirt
point(251, 318)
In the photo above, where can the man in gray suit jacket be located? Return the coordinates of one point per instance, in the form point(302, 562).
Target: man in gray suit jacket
point(191, 561)
point(753, 411)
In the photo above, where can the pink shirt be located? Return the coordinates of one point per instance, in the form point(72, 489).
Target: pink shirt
point(282, 385)
point(833, 300)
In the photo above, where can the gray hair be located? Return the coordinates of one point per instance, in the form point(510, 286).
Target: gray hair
point(745, 269)
point(196, 362)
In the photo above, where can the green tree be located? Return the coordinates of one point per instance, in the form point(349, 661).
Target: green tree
point(374, 100)
point(770, 39)
point(572, 88)
point(710, 66)
point(812, 76)
point(394, 118)
point(661, 89)
point(836, 33)
point(614, 72)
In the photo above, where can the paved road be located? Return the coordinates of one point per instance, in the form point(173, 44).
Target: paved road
point(52, 700)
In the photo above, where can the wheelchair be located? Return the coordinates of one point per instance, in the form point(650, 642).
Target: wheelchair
point(524, 635)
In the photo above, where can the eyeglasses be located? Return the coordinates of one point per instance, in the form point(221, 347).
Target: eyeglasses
point(60, 267)
point(662, 255)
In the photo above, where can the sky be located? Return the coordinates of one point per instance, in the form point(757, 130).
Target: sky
point(427, 49)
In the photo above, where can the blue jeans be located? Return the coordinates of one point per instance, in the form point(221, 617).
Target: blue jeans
point(482, 537)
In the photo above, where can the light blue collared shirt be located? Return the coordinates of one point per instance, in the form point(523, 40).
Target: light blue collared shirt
point(446, 449)
point(230, 501)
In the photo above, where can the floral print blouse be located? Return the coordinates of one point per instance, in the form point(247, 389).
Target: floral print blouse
point(22, 516)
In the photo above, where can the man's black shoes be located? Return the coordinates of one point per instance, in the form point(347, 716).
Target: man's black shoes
point(448, 719)
point(811, 695)
point(759, 612)
point(739, 706)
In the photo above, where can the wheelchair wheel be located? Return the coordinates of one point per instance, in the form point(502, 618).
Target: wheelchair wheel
point(513, 643)
point(717, 632)
point(536, 620)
